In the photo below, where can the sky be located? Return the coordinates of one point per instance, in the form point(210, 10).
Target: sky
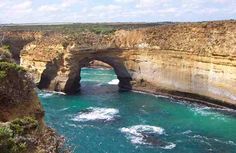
point(49, 11)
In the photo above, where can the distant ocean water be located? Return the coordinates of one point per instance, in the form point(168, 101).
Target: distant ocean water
point(103, 120)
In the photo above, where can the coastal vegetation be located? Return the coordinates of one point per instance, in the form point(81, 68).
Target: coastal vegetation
point(15, 135)
point(6, 67)
point(103, 28)
point(5, 54)
point(22, 129)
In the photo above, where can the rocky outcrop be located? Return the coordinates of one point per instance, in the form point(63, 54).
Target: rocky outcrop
point(22, 128)
point(193, 60)
point(17, 93)
point(16, 40)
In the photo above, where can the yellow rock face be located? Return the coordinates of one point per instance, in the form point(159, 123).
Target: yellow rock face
point(189, 60)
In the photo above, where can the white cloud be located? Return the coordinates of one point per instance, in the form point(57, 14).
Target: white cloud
point(68, 3)
point(19, 8)
point(48, 8)
point(125, 1)
point(167, 10)
point(106, 8)
point(221, 1)
point(115, 10)
point(151, 3)
point(64, 4)
point(23, 5)
point(2, 4)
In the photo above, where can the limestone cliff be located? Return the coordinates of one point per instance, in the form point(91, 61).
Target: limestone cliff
point(16, 40)
point(193, 60)
point(98, 64)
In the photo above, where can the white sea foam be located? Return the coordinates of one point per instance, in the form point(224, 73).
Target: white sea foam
point(90, 80)
point(211, 112)
point(187, 132)
point(169, 146)
point(152, 94)
point(204, 111)
point(138, 134)
point(134, 133)
point(206, 140)
point(64, 109)
point(94, 113)
point(45, 95)
point(114, 82)
point(97, 74)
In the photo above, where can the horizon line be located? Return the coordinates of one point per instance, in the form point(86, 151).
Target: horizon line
point(112, 22)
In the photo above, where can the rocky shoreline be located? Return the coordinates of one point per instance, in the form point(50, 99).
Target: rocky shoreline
point(186, 97)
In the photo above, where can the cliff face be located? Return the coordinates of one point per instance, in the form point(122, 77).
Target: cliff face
point(16, 40)
point(17, 94)
point(189, 60)
point(98, 64)
point(22, 128)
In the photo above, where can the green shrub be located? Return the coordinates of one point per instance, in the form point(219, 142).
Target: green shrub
point(5, 133)
point(5, 50)
point(24, 125)
point(18, 148)
point(5, 67)
point(3, 74)
point(6, 47)
point(10, 134)
point(8, 143)
point(6, 139)
point(102, 30)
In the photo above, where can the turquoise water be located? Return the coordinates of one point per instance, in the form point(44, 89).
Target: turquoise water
point(103, 120)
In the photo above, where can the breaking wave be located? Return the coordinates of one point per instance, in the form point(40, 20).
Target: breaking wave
point(114, 82)
point(45, 94)
point(94, 113)
point(146, 135)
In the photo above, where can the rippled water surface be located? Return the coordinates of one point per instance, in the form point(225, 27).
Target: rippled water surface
point(103, 120)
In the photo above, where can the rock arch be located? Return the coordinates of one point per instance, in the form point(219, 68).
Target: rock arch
point(66, 78)
point(191, 61)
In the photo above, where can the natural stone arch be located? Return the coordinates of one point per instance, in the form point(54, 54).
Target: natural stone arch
point(160, 60)
point(73, 82)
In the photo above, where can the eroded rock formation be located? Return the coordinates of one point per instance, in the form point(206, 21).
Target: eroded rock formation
point(99, 64)
point(16, 40)
point(196, 60)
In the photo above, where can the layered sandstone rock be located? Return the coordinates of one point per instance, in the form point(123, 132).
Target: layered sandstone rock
point(16, 40)
point(99, 64)
point(195, 60)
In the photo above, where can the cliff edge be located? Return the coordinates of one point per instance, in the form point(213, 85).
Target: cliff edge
point(22, 129)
